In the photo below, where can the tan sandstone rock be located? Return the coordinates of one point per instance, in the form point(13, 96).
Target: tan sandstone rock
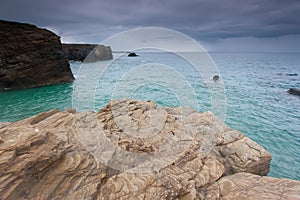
point(3, 124)
point(128, 150)
point(250, 186)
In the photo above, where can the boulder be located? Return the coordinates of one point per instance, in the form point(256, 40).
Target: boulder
point(131, 149)
point(78, 52)
point(216, 77)
point(132, 54)
point(30, 57)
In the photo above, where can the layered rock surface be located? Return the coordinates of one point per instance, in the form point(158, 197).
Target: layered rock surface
point(78, 52)
point(250, 186)
point(133, 150)
point(30, 57)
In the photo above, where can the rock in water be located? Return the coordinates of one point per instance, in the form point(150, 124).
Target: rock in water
point(78, 52)
point(91, 155)
point(30, 57)
point(294, 91)
point(216, 77)
point(132, 54)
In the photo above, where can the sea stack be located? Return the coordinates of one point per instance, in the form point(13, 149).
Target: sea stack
point(31, 57)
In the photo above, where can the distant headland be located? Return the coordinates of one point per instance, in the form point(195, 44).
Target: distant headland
point(78, 52)
point(33, 57)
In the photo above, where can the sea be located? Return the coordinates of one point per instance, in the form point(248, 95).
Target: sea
point(252, 87)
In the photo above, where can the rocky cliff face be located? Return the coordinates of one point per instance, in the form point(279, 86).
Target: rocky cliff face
point(78, 52)
point(181, 154)
point(30, 57)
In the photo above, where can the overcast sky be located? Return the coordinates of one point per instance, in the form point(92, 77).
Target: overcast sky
point(219, 25)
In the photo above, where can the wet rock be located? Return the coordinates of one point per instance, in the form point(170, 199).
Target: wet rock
point(292, 74)
point(132, 54)
point(216, 77)
point(294, 91)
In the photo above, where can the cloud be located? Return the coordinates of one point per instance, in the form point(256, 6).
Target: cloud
point(207, 20)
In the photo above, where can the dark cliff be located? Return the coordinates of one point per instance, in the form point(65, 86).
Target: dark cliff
point(78, 52)
point(30, 57)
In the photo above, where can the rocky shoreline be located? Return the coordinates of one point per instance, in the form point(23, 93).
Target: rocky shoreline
point(57, 155)
point(30, 57)
point(33, 57)
point(130, 149)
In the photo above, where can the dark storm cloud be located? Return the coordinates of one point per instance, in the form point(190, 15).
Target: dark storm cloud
point(201, 19)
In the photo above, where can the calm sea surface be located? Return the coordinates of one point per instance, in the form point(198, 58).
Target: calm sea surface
point(255, 87)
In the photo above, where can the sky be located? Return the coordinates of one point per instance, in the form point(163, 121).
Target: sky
point(218, 25)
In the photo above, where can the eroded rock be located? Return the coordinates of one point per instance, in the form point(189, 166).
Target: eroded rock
point(30, 57)
point(250, 186)
point(124, 152)
point(3, 124)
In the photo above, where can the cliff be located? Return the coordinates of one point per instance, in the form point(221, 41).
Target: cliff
point(134, 150)
point(30, 57)
point(78, 52)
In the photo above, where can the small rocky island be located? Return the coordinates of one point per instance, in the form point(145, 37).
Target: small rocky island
point(60, 155)
point(31, 57)
point(132, 54)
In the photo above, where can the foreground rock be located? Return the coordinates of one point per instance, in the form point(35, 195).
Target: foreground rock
point(250, 186)
point(3, 124)
point(132, 149)
point(78, 52)
point(30, 57)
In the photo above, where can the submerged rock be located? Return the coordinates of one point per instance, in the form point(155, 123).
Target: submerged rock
point(292, 74)
point(131, 149)
point(216, 77)
point(30, 57)
point(294, 91)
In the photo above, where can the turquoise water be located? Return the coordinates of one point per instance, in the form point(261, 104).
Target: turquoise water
point(255, 84)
